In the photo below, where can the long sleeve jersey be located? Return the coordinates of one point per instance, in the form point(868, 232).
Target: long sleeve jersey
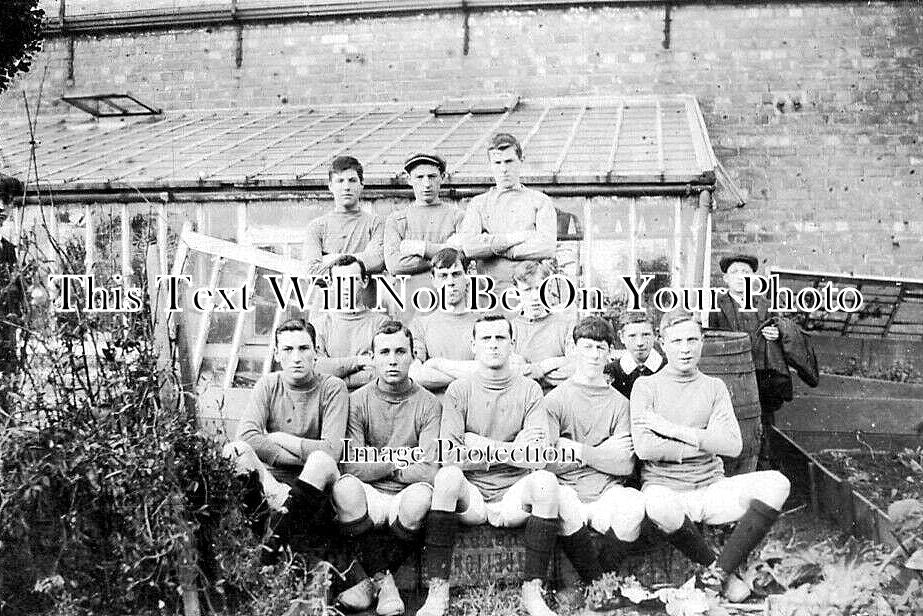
point(315, 411)
point(596, 416)
point(699, 402)
point(356, 232)
point(497, 408)
point(544, 338)
point(379, 418)
point(341, 336)
point(499, 212)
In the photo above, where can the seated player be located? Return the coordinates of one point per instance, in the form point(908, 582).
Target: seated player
point(681, 421)
point(442, 338)
point(639, 358)
point(344, 332)
point(541, 338)
point(591, 419)
point(290, 435)
point(390, 412)
point(493, 409)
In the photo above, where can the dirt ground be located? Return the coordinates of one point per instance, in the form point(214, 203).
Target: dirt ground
point(882, 477)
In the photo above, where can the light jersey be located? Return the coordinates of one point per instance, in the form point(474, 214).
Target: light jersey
point(499, 212)
point(357, 232)
point(498, 409)
point(433, 224)
point(595, 416)
point(340, 337)
point(316, 412)
point(697, 401)
point(444, 334)
point(409, 418)
point(549, 336)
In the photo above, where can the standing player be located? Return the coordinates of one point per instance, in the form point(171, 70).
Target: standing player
point(415, 234)
point(344, 334)
point(389, 413)
point(442, 339)
point(542, 338)
point(492, 410)
point(591, 420)
point(640, 358)
point(681, 421)
point(348, 229)
point(508, 223)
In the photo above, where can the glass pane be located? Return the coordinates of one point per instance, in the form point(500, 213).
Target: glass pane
point(605, 253)
point(654, 244)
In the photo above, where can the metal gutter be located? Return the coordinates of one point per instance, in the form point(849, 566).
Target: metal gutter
point(268, 12)
point(237, 194)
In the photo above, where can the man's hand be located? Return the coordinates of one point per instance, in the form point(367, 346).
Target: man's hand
point(326, 260)
point(664, 427)
point(770, 332)
point(519, 365)
point(413, 247)
point(364, 360)
point(531, 435)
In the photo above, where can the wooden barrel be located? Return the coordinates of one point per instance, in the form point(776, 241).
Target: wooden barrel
point(727, 356)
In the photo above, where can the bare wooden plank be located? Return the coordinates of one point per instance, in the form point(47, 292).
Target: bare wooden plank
point(613, 149)
point(462, 120)
point(248, 254)
point(162, 236)
point(391, 145)
point(237, 339)
point(534, 131)
point(205, 322)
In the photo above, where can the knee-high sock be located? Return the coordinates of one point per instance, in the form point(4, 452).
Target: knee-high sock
point(439, 541)
point(750, 530)
point(580, 549)
point(254, 507)
point(305, 504)
point(612, 551)
point(539, 538)
point(390, 549)
point(690, 542)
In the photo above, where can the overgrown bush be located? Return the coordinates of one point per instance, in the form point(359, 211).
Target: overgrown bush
point(112, 501)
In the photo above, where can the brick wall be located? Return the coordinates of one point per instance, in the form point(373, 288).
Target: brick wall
point(813, 108)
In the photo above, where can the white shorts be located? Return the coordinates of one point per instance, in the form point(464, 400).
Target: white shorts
point(617, 506)
point(510, 511)
point(383, 507)
point(725, 500)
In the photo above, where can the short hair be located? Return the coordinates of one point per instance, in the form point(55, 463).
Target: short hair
point(296, 325)
point(344, 163)
point(635, 316)
point(528, 270)
point(447, 257)
point(392, 327)
point(347, 260)
point(675, 317)
point(490, 318)
point(595, 328)
point(503, 141)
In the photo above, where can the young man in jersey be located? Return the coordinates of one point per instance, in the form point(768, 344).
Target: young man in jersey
point(493, 409)
point(639, 358)
point(348, 229)
point(681, 421)
point(344, 332)
point(509, 223)
point(389, 413)
point(289, 437)
point(415, 234)
point(541, 338)
point(591, 419)
point(442, 338)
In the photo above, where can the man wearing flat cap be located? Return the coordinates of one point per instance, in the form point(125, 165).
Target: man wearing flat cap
point(415, 234)
point(509, 223)
point(772, 375)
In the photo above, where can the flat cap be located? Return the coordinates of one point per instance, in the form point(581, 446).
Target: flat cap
point(675, 316)
point(750, 260)
point(421, 158)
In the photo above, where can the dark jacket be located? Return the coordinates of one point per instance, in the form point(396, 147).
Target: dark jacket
point(772, 375)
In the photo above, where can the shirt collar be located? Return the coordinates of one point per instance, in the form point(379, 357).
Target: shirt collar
point(628, 363)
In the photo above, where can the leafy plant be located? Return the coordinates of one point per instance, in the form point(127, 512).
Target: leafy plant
point(21, 25)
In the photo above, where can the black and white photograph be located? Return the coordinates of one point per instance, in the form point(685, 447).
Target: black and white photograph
point(461, 307)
